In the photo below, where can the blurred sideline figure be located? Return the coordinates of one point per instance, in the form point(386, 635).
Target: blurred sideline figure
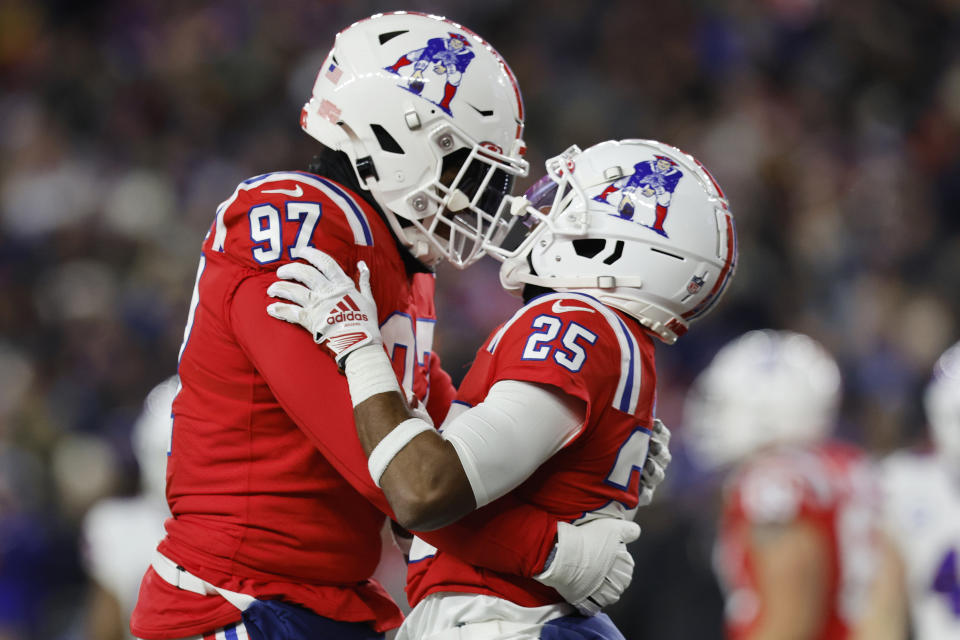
point(797, 540)
point(275, 527)
point(120, 534)
point(558, 407)
point(919, 583)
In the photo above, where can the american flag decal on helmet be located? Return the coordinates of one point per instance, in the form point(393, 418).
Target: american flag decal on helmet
point(333, 73)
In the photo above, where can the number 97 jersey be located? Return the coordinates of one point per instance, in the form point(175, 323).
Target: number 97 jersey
point(585, 349)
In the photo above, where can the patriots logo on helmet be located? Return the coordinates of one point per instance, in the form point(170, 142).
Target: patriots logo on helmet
point(656, 179)
point(447, 58)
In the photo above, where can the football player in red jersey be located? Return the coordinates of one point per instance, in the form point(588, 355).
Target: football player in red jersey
point(557, 409)
point(275, 527)
point(797, 542)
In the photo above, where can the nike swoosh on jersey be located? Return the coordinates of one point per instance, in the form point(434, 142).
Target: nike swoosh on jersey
point(558, 307)
point(293, 193)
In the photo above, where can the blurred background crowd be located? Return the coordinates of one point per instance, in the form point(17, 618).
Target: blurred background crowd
point(833, 126)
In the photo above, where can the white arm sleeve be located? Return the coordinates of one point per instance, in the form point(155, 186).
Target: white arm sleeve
point(505, 438)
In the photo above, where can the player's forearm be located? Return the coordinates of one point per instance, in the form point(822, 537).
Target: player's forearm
point(377, 416)
point(790, 560)
point(885, 615)
point(420, 473)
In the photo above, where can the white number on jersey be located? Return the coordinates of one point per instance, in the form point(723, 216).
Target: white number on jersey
point(266, 229)
point(404, 342)
point(630, 459)
point(570, 353)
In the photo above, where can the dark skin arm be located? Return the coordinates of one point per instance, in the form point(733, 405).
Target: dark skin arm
point(425, 483)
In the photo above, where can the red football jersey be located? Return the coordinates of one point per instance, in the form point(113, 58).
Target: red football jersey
point(829, 486)
point(266, 479)
point(590, 351)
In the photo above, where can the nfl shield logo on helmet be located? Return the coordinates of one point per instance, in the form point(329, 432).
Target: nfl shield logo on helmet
point(694, 285)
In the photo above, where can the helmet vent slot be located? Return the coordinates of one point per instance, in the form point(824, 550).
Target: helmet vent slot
point(485, 113)
point(667, 253)
point(616, 255)
point(589, 247)
point(387, 142)
point(390, 35)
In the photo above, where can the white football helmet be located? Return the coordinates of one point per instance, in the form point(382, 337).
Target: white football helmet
point(941, 401)
point(151, 437)
point(431, 119)
point(638, 224)
point(765, 387)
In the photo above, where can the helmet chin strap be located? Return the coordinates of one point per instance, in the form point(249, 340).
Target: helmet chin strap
point(516, 272)
point(420, 247)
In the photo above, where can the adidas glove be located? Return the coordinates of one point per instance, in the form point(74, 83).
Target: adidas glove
point(655, 466)
point(324, 300)
point(591, 567)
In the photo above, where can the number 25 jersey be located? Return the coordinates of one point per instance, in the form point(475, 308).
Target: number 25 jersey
point(585, 349)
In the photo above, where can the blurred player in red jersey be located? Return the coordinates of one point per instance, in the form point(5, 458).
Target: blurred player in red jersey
point(557, 409)
point(798, 540)
point(918, 588)
point(275, 527)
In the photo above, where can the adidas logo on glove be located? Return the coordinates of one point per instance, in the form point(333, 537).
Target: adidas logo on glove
point(343, 313)
point(349, 315)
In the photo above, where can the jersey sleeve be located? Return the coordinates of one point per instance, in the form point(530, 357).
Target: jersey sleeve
point(299, 372)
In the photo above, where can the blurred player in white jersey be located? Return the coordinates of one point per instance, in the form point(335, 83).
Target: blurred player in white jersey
point(557, 409)
point(120, 534)
point(798, 535)
point(919, 585)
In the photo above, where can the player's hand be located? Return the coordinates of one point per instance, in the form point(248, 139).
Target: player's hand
point(591, 567)
point(325, 301)
point(439, 69)
point(658, 459)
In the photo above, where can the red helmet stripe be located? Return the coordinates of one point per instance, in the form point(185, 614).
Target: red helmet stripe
point(725, 274)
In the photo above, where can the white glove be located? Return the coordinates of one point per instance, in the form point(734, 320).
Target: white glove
point(327, 303)
point(591, 567)
point(655, 466)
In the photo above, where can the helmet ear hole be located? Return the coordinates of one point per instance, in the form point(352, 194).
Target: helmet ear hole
point(387, 142)
point(589, 247)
